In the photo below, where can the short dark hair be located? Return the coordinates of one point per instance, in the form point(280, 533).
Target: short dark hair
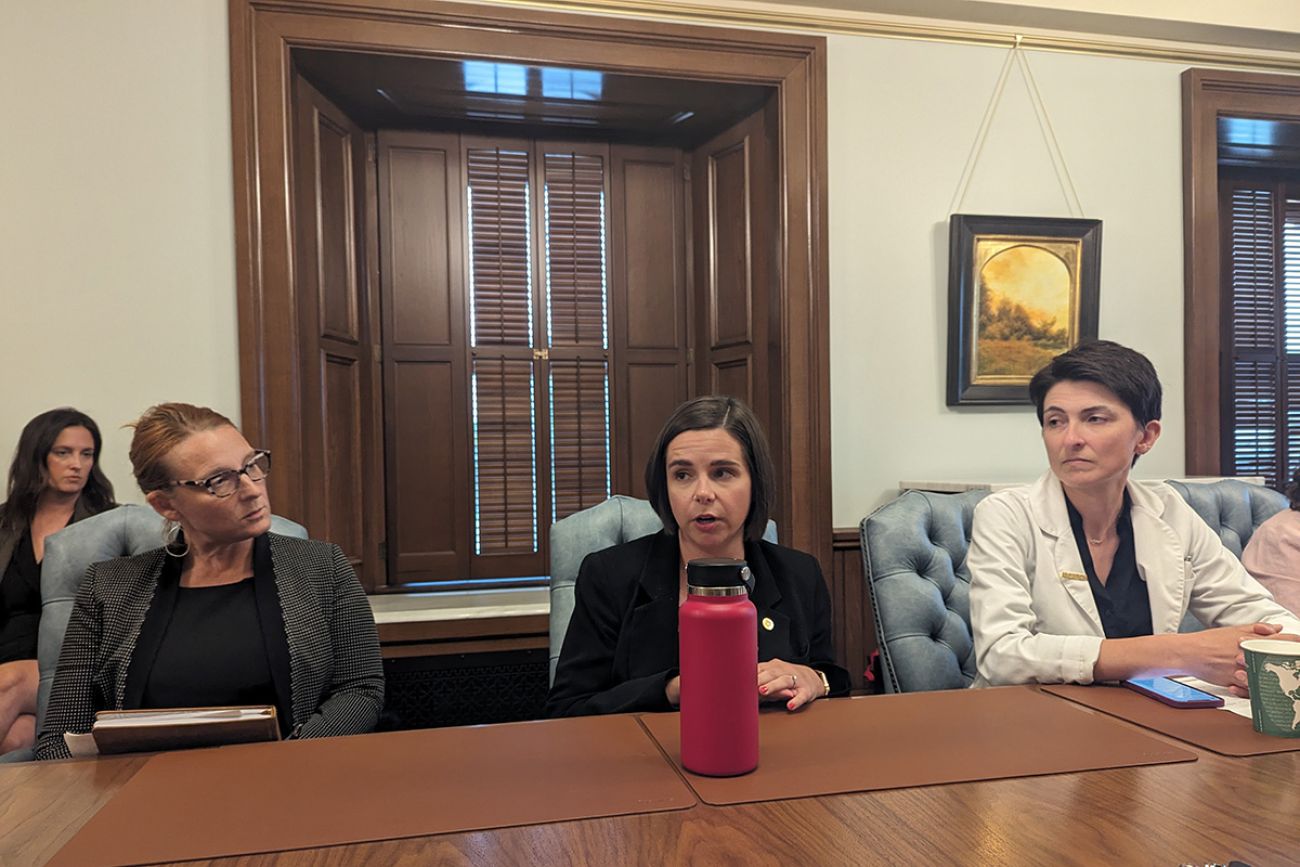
point(712, 413)
point(27, 473)
point(1124, 371)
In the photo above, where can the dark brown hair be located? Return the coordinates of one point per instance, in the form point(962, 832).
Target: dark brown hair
point(27, 473)
point(712, 413)
point(1124, 371)
point(159, 430)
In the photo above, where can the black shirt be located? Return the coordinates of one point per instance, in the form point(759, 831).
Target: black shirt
point(20, 602)
point(1122, 602)
point(212, 652)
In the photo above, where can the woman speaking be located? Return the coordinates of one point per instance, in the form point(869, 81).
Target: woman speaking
point(710, 480)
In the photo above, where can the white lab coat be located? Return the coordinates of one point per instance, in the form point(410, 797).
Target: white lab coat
point(1031, 608)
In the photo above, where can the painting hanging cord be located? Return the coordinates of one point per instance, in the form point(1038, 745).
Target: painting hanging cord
point(1021, 289)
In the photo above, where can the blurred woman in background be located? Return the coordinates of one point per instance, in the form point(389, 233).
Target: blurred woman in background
point(1273, 553)
point(54, 480)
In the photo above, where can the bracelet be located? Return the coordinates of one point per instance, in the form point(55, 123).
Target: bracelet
point(826, 683)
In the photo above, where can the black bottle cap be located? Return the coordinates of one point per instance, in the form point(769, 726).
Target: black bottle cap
point(717, 572)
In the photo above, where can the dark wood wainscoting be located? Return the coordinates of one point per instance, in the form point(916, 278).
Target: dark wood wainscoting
point(464, 689)
point(855, 628)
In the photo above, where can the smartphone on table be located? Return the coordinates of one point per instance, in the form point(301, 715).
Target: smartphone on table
point(1173, 693)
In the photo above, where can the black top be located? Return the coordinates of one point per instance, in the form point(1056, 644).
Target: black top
point(1122, 602)
point(20, 602)
point(212, 652)
point(620, 649)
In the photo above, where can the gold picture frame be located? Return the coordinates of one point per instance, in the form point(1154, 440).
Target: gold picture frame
point(1020, 291)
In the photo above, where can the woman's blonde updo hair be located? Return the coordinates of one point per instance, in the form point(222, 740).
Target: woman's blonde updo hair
point(159, 430)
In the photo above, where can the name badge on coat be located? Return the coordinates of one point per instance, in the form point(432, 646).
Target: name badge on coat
point(1074, 576)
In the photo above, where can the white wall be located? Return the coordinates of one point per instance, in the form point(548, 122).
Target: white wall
point(117, 252)
point(117, 284)
point(903, 116)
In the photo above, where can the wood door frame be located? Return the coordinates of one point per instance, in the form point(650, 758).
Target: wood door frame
point(1207, 94)
point(262, 35)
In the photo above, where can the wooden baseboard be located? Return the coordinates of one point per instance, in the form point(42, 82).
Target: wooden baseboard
point(474, 635)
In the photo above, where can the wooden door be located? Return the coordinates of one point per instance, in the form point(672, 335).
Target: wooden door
point(736, 234)
point(649, 303)
point(338, 387)
point(425, 383)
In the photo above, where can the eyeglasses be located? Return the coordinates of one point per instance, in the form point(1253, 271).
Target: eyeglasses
point(226, 482)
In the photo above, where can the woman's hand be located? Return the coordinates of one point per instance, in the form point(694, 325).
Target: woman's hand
point(673, 690)
point(797, 685)
point(1215, 655)
point(1240, 684)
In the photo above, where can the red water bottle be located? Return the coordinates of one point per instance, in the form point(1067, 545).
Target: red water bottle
point(718, 635)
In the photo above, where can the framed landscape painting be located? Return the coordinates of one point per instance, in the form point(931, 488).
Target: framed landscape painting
point(1020, 291)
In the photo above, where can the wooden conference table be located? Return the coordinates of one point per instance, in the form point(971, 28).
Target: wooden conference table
point(1214, 808)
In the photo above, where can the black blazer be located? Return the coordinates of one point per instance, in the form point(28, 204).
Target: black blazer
point(321, 640)
point(621, 647)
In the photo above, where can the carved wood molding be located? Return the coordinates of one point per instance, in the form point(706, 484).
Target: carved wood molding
point(262, 36)
point(1207, 94)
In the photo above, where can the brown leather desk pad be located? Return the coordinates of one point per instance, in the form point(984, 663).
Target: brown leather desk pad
point(1209, 728)
point(920, 739)
point(272, 797)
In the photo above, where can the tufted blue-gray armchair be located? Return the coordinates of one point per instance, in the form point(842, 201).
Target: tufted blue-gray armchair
point(118, 532)
point(914, 561)
point(1233, 508)
point(617, 520)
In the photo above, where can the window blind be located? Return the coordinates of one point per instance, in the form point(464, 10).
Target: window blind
point(577, 329)
point(575, 249)
point(500, 275)
point(505, 464)
point(1262, 325)
point(503, 385)
point(509, 509)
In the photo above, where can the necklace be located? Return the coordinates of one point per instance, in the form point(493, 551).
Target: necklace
point(1100, 539)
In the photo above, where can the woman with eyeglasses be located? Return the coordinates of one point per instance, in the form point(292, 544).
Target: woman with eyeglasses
point(225, 612)
point(54, 481)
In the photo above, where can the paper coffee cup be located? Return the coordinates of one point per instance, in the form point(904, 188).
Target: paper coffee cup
point(1273, 673)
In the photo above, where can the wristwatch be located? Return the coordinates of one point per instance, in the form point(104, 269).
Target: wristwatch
point(826, 683)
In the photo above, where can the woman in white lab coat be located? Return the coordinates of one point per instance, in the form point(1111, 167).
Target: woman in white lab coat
point(1085, 575)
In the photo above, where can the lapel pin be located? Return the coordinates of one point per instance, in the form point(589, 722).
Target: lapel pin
point(768, 624)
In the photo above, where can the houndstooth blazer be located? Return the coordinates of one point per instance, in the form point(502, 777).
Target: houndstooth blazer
point(334, 670)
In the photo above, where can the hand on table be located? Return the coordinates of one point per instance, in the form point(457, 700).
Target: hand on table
point(1210, 654)
point(1240, 684)
point(673, 690)
point(795, 684)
